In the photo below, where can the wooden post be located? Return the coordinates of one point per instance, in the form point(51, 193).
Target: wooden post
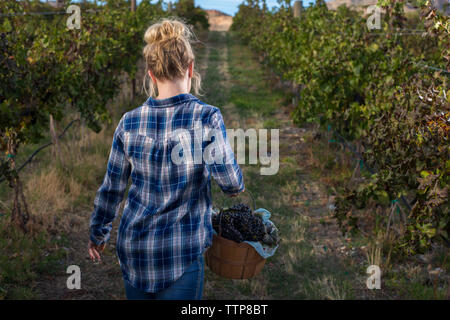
point(55, 139)
point(295, 91)
point(20, 214)
point(298, 8)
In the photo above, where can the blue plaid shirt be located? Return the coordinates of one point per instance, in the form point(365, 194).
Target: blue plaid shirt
point(166, 222)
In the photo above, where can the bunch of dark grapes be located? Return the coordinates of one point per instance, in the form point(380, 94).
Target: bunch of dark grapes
point(239, 224)
point(241, 207)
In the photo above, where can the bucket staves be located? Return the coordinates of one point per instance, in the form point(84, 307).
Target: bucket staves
point(233, 260)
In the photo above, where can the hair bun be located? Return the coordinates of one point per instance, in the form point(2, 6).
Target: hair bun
point(168, 53)
point(166, 30)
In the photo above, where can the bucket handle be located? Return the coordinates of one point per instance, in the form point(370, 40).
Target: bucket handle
point(252, 202)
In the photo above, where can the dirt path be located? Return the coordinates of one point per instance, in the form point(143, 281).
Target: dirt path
point(98, 281)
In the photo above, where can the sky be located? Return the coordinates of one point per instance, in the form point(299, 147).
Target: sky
point(231, 6)
point(228, 6)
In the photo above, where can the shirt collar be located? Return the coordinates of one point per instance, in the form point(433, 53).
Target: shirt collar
point(170, 102)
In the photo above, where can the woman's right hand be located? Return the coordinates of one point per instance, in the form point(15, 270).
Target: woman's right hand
point(236, 194)
point(95, 250)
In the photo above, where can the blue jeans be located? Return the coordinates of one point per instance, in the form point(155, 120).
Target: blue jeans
point(188, 287)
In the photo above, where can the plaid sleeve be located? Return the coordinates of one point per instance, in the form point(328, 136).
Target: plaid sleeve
point(226, 173)
point(111, 192)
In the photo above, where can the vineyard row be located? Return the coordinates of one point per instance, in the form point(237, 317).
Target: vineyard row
point(374, 91)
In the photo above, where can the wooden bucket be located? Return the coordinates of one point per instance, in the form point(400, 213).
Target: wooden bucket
point(233, 260)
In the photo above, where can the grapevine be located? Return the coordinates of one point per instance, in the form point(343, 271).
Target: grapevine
point(372, 88)
point(48, 71)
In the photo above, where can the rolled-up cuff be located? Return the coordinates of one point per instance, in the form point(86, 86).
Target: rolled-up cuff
point(233, 191)
point(97, 241)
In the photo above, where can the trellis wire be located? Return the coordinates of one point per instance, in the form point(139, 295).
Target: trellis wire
point(42, 148)
point(433, 68)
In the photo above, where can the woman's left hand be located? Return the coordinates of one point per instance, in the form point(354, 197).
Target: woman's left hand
point(95, 250)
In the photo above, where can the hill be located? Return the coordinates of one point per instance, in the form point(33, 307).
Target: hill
point(218, 20)
point(334, 4)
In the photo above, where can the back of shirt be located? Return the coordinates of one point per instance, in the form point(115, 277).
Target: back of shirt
point(170, 148)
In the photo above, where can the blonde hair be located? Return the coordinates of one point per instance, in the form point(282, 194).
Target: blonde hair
point(169, 53)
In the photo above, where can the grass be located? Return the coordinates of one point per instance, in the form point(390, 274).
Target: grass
point(214, 95)
point(24, 259)
point(251, 93)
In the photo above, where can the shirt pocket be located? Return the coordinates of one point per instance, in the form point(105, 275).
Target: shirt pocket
point(142, 151)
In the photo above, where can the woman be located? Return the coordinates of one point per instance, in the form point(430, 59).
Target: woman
point(166, 224)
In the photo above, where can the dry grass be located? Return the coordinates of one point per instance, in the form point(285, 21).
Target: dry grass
point(297, 231)
point(329, 288)
point(50, 195)
point(57, 193)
